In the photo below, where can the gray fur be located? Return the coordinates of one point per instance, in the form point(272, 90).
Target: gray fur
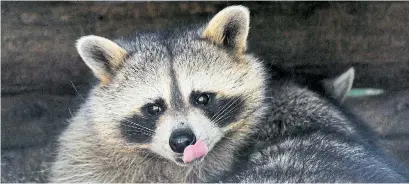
point(171, 65)
point(310, 139)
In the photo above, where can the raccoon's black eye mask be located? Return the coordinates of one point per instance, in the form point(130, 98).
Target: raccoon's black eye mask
point(222, 111)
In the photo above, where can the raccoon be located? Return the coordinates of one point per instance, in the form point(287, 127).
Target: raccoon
point(191, 105)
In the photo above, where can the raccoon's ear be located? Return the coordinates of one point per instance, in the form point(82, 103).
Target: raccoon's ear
point(339, 86)
point(229, 28)
point(102, 56)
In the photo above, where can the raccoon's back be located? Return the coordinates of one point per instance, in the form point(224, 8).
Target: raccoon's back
point(317, 157)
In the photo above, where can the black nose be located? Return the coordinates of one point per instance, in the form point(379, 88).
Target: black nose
point(180, 139)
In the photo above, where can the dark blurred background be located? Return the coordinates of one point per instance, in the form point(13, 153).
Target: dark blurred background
point(41, 71)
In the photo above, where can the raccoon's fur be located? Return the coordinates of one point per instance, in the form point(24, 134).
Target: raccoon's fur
point(200, 83)
point(312, 139)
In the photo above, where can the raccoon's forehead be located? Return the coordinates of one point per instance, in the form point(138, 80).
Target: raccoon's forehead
point(201, 66)
point(198, 65)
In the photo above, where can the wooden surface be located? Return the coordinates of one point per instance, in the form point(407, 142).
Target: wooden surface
point(39, 64)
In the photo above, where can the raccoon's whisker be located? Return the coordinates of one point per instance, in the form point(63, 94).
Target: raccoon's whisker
point(138, 128)
point(221, 109)
point(195, 171)
point(239, 100)
point(145, 157)
point(129, 168)
point(227, 106)
point(152, 157)
point(135, 129)
point(157, 160)
point(221, 118)
point(117, 173)
point(135, 132)
point(229, 111)
point(138, 133)
point(136, 124)
point(134, 174)
point(69, 109)
point(72, 84)
point(187, 174)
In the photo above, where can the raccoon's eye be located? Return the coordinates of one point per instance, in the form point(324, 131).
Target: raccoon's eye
point(154, 109)
point(202, 99)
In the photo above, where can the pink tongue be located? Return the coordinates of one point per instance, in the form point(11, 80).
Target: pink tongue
point(193, 152)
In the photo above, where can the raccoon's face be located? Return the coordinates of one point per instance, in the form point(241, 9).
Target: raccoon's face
point(179, 95)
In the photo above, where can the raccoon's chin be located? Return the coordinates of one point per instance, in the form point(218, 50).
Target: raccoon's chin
point(179, 162)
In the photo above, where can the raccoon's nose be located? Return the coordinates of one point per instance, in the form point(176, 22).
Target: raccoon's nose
point(180, 139)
